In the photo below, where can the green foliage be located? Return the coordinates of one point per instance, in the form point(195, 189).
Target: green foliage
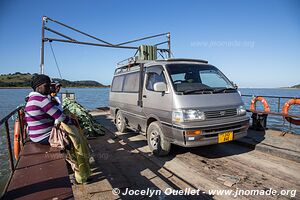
point(86, 121)
point(19, 79)
point(296, 86)
point(15, 80)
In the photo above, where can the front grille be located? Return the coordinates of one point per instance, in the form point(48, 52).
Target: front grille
point(224, 129)
point(216, 131)
point(220, 113)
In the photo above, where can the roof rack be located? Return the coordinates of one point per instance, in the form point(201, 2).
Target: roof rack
point(127, 61)
point(130, 64)
point(132, 61)
point(145, 53)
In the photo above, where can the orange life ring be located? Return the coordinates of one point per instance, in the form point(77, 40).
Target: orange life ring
point(262, 100)
point(22, 115)
point(17, 134)
point(285, 110)
point(17, 139)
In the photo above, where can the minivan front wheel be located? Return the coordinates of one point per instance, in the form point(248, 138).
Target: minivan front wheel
point(156, 140)
point(120, 122)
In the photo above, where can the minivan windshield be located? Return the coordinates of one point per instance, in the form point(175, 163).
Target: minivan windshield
point(197, 78)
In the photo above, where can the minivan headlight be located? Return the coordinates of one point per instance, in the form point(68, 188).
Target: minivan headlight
point(185, 115)
point(241, 110)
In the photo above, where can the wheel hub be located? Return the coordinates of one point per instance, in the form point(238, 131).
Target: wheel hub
point(154, 139)
point(119, 121)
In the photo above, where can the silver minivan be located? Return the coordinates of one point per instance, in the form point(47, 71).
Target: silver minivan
point(185, 102)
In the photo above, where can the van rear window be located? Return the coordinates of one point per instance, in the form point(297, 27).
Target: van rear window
point(117, 84)
point(126, 83)
point(131, 83)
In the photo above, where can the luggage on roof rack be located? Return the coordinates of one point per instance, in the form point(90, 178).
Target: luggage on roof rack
point(147, 52)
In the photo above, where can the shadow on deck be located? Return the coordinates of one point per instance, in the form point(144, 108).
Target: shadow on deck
point(117, 165)
point(211, 151)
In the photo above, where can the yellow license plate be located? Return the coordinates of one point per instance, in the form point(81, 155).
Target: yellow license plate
point(225, 137)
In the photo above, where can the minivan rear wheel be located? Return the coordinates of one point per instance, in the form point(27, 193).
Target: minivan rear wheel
point(156, 140)
point(120, 122)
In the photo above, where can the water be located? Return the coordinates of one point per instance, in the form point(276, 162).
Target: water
point(92, 98)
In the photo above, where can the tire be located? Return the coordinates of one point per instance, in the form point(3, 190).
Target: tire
point(120, 122)
point(156, 140)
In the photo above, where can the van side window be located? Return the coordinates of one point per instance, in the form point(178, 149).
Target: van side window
point(131, 83)
point(154, 75)
point(117, 84)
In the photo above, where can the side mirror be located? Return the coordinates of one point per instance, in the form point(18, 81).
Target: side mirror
point(160, 87)
point(234, 85)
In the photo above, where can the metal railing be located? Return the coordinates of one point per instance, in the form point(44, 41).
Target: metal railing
point(276, 110)
point(5, 121)
point(278, 107)
point(7, 130)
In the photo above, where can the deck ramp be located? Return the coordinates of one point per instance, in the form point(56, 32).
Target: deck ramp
point(41, 173)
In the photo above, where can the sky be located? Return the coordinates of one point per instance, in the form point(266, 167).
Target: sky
point(256, 44)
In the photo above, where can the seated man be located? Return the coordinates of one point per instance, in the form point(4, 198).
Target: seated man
point(41, 113)
point(54, 90)
point(189, 77)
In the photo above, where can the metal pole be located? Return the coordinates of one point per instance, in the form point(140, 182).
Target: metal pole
point(93, 44)
point(43, 44)
point(161, 43)
point(11, 160)
point(278, 104)
point(88, 43)
point(144, 38)
point(169, 44)
point(58, 33)
point(74, 29)
point(141, 82)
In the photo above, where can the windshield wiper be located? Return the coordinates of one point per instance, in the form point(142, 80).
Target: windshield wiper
point(224, 90)
point(209, 90)
point(204, 90)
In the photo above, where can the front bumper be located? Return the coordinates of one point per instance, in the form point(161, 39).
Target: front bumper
point(209, 135)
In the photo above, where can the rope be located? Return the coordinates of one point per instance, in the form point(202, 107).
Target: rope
point(172, 54)
point(55, 61)
point(161, 55)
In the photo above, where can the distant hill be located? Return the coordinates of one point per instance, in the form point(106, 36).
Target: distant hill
point(296, 86)
point(24, 79)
